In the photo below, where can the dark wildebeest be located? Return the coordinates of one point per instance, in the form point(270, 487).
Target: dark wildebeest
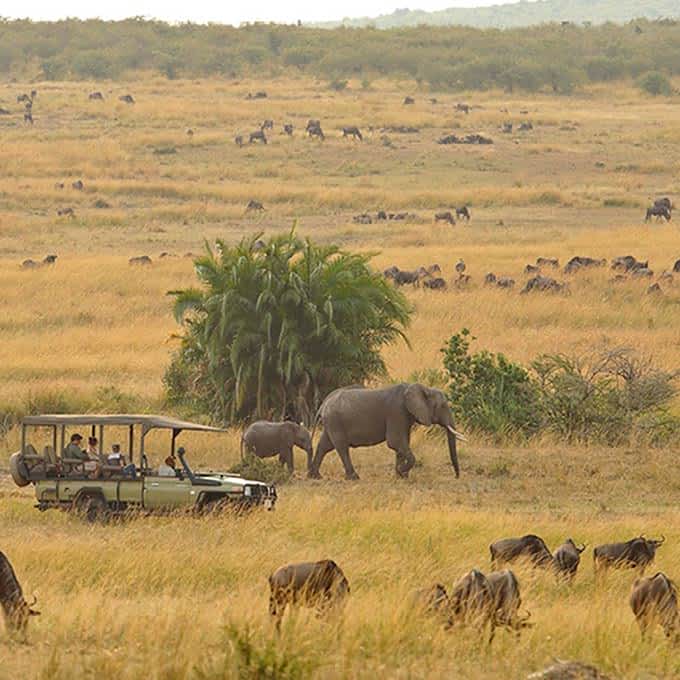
point(529, 547)
point(78, 185)
point(654, 600)
point(637, 553)
point(96, 96)
point(254, 205)
point(23, 98)
point(401, 277)
point(436, 283)
point(313, 129)
point(642, 273)
point(288, 129)
point(490, 279)
point(661, 212)
point(66, 212)
point(676, 267)
point(408, 101)
point(507, 128)
point(238, 140)
point(15, 608)
point(566, 559)
point(579, 262)
point(257, 136)
point(664, 202)
point(460, 266)
point(628, 263)
point(33, 264)
point(444, 216)
point(463, 213)
point(532, 269)
point(507, 601)
point(547, 262)
point(505, 282)
point(127, 98)
point(544, 284)
point(28, 116)
point(143, 260)
point(472, 603)
point(432, 601)
point(353, 132)
point(525, 127)
point(267, 124)
point(258, 95)
point(320, 585)
point(465, 108)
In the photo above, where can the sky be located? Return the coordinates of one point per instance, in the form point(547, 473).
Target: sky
point(226, 11)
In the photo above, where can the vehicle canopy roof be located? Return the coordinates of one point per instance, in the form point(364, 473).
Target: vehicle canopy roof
point(148, 422)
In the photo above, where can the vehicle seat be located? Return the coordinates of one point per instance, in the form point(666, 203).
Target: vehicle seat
point(50, 461)
point(35, 464)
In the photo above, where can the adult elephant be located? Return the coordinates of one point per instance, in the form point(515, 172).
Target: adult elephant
point(265, 439)
point(357, 416)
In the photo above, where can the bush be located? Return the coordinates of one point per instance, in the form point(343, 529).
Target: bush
point(655, 83)
point(338, 85)
point(488, 392)
point(252, 467)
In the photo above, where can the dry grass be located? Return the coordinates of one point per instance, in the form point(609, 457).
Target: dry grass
point(154, 597)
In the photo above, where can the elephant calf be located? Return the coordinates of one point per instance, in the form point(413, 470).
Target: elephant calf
point(321, 585)
point(265, 439)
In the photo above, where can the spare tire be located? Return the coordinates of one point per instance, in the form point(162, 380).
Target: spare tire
point(17, 469)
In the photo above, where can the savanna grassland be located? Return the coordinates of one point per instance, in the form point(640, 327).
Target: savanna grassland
point(177, 597)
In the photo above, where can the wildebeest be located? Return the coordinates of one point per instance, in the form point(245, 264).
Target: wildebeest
point(525, 126)
point(313, 129)
point(460, 266)
point(78, 185)
point(664, 202)
point(257, 95)
point(14, 607)
point(472, 603)
point(465, 108)
point(642, 273)
point(288, 129)
point(569, 670)
point(362, 218)
point(628, 263)
point(35, 264)
point(463, 213)
point(506, 128)
point(66, 212)
point(566, 559)
point(507, 601)
point(320, 585)
point(580, 262)
point(23, 98)
point(408, 101)
point(127, 98)
point(544, 284)
point(532, 269)
point(444, 216)
point(661, 212)
point(654, 601)
point(352, 131)
point(547, 262)
point(143, 260)
point(267, 124)
point(436, 283)
point(433, 601)
point(254, 205)
point(505, 282)
point(28, 116)
point(529, 547)
point(490, 279)
point(238, 140)
point(257, 136)
point(638, 553)
point(95, 96)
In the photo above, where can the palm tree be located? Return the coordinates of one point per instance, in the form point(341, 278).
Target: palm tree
point(276, 326)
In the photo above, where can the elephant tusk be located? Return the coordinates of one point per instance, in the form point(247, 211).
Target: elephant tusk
point(457, 435)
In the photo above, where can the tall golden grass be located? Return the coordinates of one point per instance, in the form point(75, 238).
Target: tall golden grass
point(155, 597)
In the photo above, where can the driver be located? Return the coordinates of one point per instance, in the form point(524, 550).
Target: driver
point(73, 450)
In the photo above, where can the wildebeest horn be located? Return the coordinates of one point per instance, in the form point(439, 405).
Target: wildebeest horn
point(662, 540)
point(35, 601)
point(457, 435)
point(582, 548)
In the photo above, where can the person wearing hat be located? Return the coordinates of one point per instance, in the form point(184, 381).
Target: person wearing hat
point(73, 450)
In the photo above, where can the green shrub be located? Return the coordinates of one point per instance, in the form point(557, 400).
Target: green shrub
point(655, 83)
point(270, 471)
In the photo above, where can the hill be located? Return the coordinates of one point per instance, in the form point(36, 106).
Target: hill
point(525, 13)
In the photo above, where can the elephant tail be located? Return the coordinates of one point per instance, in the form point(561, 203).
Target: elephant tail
point(241, 445)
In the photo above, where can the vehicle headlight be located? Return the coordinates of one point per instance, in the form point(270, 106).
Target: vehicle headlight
point(247, 491)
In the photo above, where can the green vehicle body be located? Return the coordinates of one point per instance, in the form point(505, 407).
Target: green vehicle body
point(108, 490)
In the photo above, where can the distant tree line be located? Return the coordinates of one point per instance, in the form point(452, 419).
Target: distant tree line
point(549, 56)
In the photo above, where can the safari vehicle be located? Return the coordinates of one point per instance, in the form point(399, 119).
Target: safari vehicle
point(115, 484)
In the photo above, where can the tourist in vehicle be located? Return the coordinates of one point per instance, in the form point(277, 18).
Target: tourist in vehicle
point(73, 450)
point(167, 468)
point(115, 457)
point(93, 448)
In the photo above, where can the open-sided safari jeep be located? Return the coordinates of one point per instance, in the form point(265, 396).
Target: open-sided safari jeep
point(116, 483)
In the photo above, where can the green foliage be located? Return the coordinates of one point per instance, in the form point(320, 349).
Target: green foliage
point(338, 85)
point(656, 84)
point(549, 57)
point(488, 392)
point(269, 471)
point(277, 325)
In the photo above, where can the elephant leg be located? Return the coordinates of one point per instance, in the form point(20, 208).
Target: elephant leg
point(287, 459)
point(343, 452)
point(324, 446)
point(405, 461)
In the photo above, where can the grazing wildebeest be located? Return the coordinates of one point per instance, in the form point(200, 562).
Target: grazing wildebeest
point(490, 279)
point(66, 212)
point(463, 213)
point(638, 553)
point(664, 202)
point(143, 260)
point(532, 269)
point(465, 108)
point(436, 283)
point(661, 212)
point(409, 100)
point(505, 282)
point(96, 96)
point(525, 127)
point(352, 131)
point(445, 216)
point(127, 98)
point(313, 129)
point(34, 264)
point(78, 185)
point(566, 559)
point(460, 266)
point(507, 601)
point(34, 94)
point(320, 585)
point(507, 128)
point(472, 603)
point(254, 205)
point(258, 95)
point(267, 124)
point(391, 272)
point(432, 601)
point(288, 129)
point(580, 262)
point(190, 132)
point(363, 218)
point(381, 215)
point(238, 140)
point(544, 284)
point(530, 547)
point(654, 601)
point(28, 116)
point(257, 136)
point(401, 277)
point(628, 263)
point(14, 607)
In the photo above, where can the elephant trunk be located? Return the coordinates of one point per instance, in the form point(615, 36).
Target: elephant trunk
point(453, 452)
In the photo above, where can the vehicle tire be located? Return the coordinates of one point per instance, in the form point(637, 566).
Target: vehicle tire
point(93, 509)
point(17, 469)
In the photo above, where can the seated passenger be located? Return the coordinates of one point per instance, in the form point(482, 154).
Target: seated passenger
point(93, 448)
point(115, 457)
point(167, 469)
point(73, 450)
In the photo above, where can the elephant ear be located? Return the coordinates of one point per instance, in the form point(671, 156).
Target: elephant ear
point(417, 404)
